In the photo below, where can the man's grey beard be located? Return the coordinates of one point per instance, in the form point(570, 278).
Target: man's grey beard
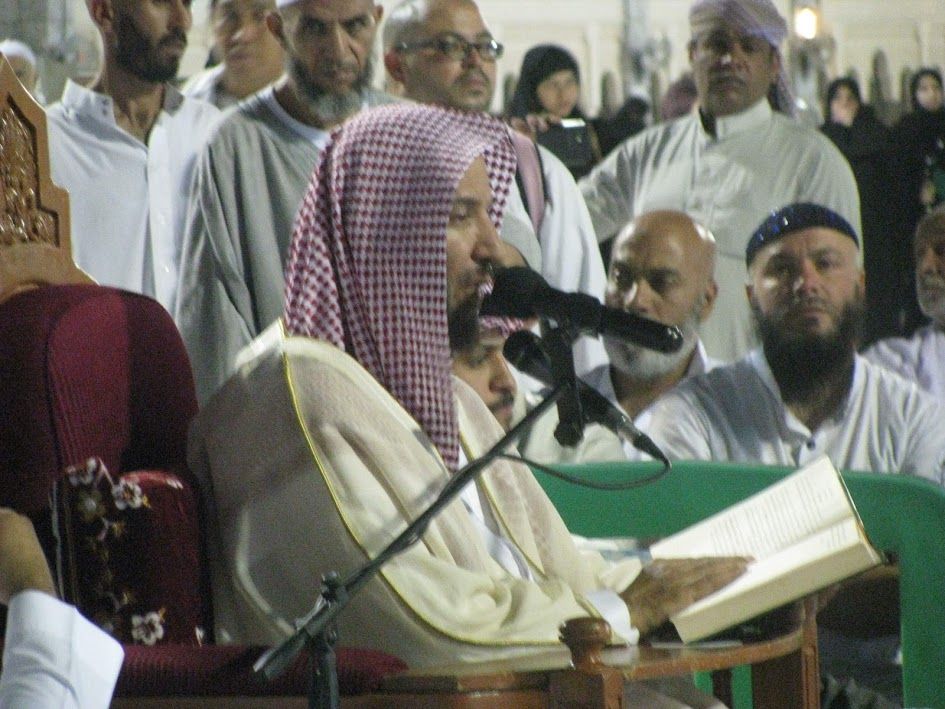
point(646, 365)
point(328, 106)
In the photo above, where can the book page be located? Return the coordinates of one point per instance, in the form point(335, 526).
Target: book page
point(826, 557)
point(778, 516)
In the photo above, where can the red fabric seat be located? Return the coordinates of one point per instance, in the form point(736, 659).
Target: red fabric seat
point(95, 374)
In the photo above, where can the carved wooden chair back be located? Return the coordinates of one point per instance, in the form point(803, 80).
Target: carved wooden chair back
point(35, 245)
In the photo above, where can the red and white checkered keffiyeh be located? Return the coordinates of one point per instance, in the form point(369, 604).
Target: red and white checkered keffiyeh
point(367, 263)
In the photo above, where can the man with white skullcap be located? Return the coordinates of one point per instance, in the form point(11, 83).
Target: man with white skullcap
point(125, 148)
point(737, 158)
point(345, 422)
point(252, 175)
point(23, 61)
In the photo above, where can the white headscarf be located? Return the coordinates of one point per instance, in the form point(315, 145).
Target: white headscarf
point(759, 18)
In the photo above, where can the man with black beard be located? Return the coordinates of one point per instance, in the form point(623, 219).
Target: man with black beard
point(252, 174)
point(125, 148)
point(661, 267)
point(805, 392)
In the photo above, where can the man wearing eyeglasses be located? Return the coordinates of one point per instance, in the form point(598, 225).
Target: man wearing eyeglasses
point(252, 175)
point(442, 52)
point(729, 164)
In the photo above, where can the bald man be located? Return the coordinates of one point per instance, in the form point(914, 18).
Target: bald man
point(661, 267)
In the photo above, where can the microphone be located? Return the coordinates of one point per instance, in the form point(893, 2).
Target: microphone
point(519, 292)
point(524, 351)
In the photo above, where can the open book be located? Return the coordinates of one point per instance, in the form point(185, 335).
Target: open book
point(803, 533)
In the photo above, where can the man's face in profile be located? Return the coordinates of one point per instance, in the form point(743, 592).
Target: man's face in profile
point(483, 366)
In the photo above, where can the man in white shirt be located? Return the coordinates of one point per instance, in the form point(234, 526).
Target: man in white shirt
point(482, 365)
point(253, 172)
point(661, 268)
point(443, 53)
point(805, 392)
point(921, 358)
point(52, 656)
point(125, 148)
point(730, 163)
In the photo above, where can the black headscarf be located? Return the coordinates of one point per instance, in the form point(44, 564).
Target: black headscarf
point(539, 63)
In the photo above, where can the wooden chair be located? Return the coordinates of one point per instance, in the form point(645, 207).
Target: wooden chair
point(34, 213)
point(89, 372)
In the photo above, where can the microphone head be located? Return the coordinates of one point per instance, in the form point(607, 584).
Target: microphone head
point(514, 292)
point(524, 351)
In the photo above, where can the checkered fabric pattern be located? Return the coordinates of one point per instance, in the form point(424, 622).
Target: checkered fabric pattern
point(367, 263)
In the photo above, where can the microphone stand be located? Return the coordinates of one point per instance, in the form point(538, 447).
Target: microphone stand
point(318, 630)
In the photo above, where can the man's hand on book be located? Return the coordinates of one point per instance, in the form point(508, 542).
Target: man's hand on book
point(666, 586)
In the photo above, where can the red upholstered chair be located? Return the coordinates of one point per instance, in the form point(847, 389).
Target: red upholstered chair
point(96, 394)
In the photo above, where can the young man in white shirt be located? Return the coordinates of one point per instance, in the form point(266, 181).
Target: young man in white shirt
point(125, 149)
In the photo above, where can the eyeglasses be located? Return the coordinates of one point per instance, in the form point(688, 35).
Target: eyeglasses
point(456, 48)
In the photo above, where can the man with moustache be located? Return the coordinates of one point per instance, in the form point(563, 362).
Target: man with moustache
point(805, 392)
point(442, 53)
point(250, 56)
point(921, 358)
point(661, 268)
point(252, 174)
point(125, 148)
point(730, 163)
point(482, 365)
point(345, 422)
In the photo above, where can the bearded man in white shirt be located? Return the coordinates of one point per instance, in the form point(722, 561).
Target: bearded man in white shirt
point(252, 174)
point(921, 358)
point(125, 148)
point(806, 393)
point(730, 163)
point(442, 52)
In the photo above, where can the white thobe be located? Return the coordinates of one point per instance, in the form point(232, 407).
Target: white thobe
point(569, 255)
point(598, 443)
point(128, 199)
point(735, 413)
point(920, 358)
point(757, 162)
point(53, 657)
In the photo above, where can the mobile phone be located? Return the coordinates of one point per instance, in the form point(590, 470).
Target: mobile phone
point(570, 141)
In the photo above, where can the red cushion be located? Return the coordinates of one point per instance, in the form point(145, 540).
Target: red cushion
point(227, 670)
point(130, 547)
point(88, 371)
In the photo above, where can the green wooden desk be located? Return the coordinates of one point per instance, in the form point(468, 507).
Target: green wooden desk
point(903, 515)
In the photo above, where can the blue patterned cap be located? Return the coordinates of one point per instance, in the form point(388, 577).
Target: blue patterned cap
point(794, 217)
